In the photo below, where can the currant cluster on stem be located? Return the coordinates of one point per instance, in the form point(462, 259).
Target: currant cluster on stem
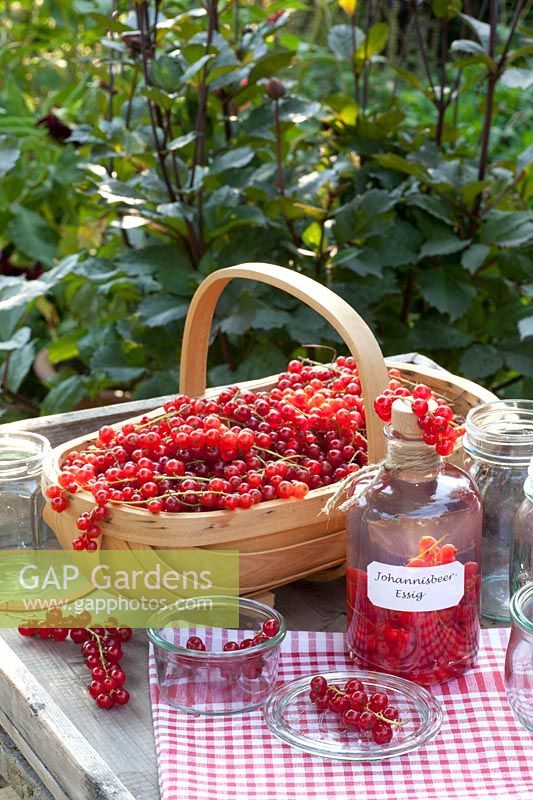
point(435, 417)
point(367, 714)
point(101, 648)
point(269, 629)
point(229, 452)
point(432, 554)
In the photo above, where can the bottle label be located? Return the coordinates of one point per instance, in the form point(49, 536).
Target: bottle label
point(416, 588)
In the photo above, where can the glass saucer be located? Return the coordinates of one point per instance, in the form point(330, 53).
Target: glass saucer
point(292, 717)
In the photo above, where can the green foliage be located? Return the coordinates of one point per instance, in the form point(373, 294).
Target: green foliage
point(140, 150)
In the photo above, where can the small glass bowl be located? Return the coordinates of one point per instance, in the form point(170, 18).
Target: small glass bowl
point(215, 682)
point(290, 715)
point(519, 657)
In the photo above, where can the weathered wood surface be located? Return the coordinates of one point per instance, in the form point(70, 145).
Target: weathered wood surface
point(82, 753)
point(76, 750)
point(8, 794)
point(23, 781)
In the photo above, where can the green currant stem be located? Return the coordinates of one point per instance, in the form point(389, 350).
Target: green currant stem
point(98, 639)
point(273, 453)
point(377, 714)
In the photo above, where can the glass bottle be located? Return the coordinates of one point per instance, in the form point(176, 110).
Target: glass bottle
point(21, 501)
point(522, 549)
point(499, 444)
point(413, 555)
point(519, 657)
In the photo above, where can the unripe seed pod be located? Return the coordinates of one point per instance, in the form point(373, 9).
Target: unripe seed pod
point(275, 89)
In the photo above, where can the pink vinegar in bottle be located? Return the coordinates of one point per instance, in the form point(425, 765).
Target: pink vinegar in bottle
point(413, 556)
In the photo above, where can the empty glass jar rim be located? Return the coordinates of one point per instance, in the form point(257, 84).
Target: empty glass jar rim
point(519, 601)
point(21, 453)
point(501, 432)
point(244, 603)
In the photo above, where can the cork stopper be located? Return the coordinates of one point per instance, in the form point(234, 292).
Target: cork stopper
point(404, 421)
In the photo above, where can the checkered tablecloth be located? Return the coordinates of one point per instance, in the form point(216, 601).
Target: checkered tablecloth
point(480, 751)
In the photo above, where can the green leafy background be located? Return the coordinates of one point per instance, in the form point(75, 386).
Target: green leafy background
point(176, 161)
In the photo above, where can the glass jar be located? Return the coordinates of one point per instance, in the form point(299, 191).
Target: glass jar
point(413, 554)
point(216, 681)
point(21, 501)
point(499, 444)
point(522, 548)
point(519, 657)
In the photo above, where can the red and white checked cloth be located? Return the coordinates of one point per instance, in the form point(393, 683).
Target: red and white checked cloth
point(480, 751)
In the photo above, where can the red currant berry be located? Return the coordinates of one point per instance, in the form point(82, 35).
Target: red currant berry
point(118, 675)
point(353, 685)
point(351, 717)
point(59, 504)
point(319, 685)
point(366, 721)
point(27, 631)
point(195, 643)
point(104, 700)
point(422, 391)
point(79, 635)
point(95, 688)
point(381, 733)
point(121, 696)
point(271, 627)
point(444, 447)
point(391, 713)
point(378, 701)
point(358, 700)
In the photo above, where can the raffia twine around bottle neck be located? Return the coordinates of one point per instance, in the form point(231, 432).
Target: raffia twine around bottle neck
point(402, 455)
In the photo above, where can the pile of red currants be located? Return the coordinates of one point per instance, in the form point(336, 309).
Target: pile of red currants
point(240, 448)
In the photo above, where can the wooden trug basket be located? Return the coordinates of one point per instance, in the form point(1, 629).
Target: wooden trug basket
point(281, 540)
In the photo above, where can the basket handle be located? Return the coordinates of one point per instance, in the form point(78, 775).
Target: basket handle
point(347, 322)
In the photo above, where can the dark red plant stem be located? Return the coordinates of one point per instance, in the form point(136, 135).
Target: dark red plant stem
point(201, 115)
point(353, 64)
point(199, 156)
point(280, 183)
point(489, 103)
point(422, 47)
point(366, 64)
point(408, 295)
point(192, 243)
point(226, 113)
point(236, 19)
point(492, 80)
point(442, 101)
point(131, 96)
point(503, 58)
point(141, 20)
point(279, 154)
point(110, 87)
